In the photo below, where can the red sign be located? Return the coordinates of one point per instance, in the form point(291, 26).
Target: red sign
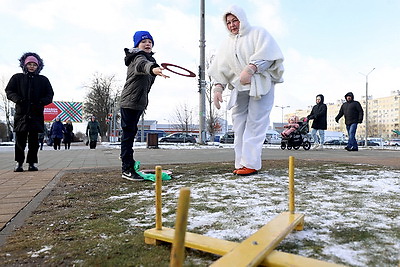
point(51, 111)
point(65, 110)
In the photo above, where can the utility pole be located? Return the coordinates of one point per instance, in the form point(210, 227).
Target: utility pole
point(366, 106)
point(202, 81)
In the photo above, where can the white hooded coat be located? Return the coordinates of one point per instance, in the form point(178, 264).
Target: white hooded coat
point(250, 45)
point(251, 103)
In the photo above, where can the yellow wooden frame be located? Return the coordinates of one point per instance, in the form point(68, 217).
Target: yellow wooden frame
point(256, 250)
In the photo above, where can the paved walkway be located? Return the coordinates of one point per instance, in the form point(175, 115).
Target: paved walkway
point(21, 193)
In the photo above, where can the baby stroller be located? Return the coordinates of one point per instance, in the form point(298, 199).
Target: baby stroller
point(298, 138)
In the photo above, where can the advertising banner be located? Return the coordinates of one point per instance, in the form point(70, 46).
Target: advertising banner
point(65, 110)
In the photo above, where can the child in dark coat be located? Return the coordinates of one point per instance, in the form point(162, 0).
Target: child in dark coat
point(30, 92)
point(141, 73)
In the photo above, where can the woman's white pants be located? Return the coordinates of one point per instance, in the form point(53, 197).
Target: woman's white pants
point(250, 118)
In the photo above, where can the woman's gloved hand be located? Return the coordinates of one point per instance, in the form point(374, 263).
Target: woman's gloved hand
point(247, 72)
point(218, 89)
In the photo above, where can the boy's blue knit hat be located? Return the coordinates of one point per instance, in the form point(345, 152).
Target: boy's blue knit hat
point(141, 35)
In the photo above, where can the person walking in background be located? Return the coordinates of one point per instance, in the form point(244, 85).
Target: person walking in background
point(141, 73)
point(92, 132)
point(353, 115)
point(30, 92)
point(68, 134)
point(319, 125)
point(249, 63)
point(42, 137)
point(57, 132)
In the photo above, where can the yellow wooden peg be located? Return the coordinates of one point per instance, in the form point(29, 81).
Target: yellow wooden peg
point(291, 185)
point(158, 198)
point(178, 245)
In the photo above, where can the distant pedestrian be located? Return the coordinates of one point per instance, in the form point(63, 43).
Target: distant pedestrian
point(319, 116)
point(141, 73)
point(30, 92)
point(92, 132)
point(69, 134)
point(57, 132)
point(353, 115)
point(42, 137)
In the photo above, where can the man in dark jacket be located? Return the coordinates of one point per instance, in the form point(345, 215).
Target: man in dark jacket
point(30, 92)
point(318, 115)
point(141, 73)
point(92, 132)
point(353, 115)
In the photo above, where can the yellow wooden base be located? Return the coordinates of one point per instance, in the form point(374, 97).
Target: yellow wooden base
point(223, 247)
point(253, 250)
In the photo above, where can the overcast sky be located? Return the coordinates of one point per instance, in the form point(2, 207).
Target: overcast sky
point(327, 44)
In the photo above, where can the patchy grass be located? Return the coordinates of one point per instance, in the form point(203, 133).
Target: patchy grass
point(98, 219)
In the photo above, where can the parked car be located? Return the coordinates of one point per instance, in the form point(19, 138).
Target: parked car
point(336, 142)
point(387, 143)
point(138, 137)
point(369, 143)
point(178, 138)
point(394, 142)
point(227, 138)
point(377, 140)
point(217, 138)
point(272, 137)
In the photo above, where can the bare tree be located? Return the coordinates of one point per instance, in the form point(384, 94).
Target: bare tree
point(102, 99)
point(183, 117)
point(8, 107)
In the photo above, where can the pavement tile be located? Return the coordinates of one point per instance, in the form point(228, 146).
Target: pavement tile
point(11, 199)
point(7, 208)
point(5, 218)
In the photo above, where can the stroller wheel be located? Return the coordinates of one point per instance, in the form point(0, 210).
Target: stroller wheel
point(283, 146)
point(306, 145)
point(289, 148)
point(296, 147)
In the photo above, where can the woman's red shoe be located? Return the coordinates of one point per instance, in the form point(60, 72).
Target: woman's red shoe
point(246, 171)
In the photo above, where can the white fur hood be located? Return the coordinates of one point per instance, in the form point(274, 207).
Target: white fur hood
point(237, 51)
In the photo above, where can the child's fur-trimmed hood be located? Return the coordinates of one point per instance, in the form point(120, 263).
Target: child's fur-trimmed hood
point(22, 61)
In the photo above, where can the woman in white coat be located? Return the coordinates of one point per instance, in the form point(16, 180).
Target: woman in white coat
point(249, 63)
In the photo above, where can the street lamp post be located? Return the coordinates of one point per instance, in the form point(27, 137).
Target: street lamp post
point(382, 124)
point(366, 106)
point(202, 81)
point(282, 107)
